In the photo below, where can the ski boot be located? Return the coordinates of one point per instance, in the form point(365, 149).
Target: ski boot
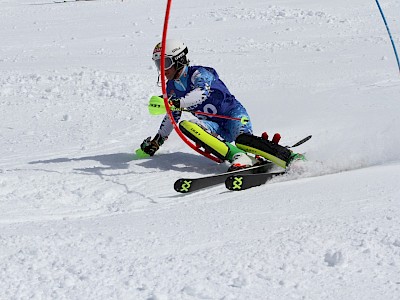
point(242, 161)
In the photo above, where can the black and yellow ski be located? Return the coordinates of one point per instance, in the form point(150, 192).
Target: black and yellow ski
point(187, 185)
point(241, 182)
point(249, 177)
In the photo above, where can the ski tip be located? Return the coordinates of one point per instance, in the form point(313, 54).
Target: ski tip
point(234, 183)
point(242, 182)
point(183, 185)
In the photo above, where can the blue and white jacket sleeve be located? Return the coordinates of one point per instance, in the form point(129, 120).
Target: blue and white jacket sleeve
point(166, 126)
point(201, 80)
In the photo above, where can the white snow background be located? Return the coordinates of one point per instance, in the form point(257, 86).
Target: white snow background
point(81, 218)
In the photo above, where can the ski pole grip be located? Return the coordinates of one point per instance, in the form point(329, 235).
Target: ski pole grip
point(156, 106)
point(244, 120)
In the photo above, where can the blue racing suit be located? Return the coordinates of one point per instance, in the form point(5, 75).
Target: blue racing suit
point(200, 89)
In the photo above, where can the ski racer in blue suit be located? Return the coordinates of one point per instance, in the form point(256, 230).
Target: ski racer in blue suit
point(199, 88)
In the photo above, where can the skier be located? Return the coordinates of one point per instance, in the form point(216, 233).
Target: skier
point(199, 88)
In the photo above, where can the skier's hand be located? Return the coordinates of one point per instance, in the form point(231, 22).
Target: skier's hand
point(151, 146)
point(157, 105)
point(175, 104)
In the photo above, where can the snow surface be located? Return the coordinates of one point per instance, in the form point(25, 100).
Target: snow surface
point(81, 218)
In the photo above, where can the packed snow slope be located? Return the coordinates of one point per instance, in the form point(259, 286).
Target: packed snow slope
point(82, 218)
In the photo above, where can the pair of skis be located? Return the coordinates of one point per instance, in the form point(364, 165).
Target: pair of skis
point(234, 181)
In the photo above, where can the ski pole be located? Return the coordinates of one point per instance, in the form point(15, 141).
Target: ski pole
point(300, 142)
point(242, 120)
point(157, 107)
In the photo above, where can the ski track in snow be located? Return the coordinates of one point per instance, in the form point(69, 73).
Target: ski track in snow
point(81, 218)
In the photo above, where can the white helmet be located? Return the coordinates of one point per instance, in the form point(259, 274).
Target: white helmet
point(175, 55)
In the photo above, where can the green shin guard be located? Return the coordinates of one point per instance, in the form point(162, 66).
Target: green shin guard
point(196, 133)
point(201, 137)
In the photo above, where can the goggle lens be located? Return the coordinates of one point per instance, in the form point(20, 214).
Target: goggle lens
point(168, 63)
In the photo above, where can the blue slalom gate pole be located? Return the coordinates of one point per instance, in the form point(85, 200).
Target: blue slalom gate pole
point(390, 35)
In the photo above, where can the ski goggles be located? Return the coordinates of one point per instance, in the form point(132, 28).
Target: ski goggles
point(168, 63)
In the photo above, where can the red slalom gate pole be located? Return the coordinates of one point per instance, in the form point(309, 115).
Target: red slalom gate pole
point(164, 90)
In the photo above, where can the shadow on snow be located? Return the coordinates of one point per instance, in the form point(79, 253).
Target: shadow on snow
point(178, 161)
